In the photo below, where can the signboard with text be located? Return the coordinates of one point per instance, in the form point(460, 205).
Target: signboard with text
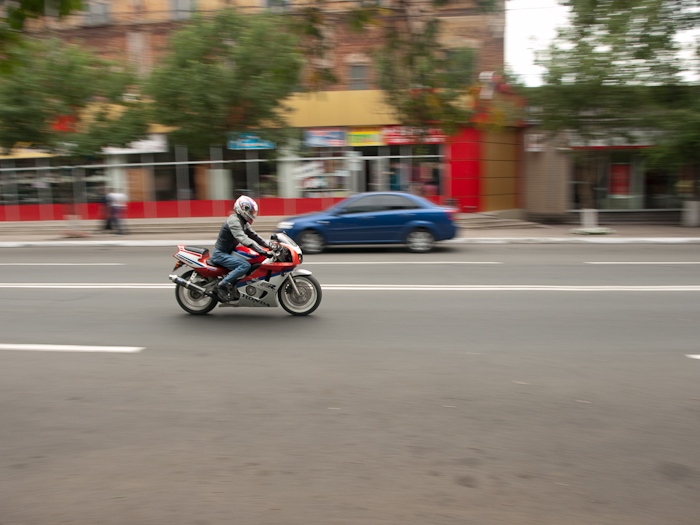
point(408, 135)
point(366, 137)
point(324, 138)
point(248, 141)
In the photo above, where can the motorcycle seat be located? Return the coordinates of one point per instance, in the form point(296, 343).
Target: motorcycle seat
point(197, 249)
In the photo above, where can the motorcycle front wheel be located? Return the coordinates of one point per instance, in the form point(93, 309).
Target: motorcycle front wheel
point(304, 302)
point(192, 301)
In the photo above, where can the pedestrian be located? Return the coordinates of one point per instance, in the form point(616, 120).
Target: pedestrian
point(105, 210)
point(116, 202)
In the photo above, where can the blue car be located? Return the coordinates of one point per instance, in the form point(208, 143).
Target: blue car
point(374, 218)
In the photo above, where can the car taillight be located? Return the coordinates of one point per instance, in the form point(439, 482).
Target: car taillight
point(451, 214)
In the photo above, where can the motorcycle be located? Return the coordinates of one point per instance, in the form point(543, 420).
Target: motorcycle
point(271, 280)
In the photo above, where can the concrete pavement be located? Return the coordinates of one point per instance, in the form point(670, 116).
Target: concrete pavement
point(153, 232)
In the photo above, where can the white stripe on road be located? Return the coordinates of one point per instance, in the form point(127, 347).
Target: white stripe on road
point(89, 286)
point(381, 287)
point(73, 348)
point(506, 288)
point(62, 264)
point(693, 356)
point(350, 263)
point(642, 263)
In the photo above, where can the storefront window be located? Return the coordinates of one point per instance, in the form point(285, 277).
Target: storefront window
point(426, 172)
point(267, 171)
point(621, 180)
point(95, 183)
point(323, 173)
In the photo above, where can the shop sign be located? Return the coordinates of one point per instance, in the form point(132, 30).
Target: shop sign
point(408, 135)
point(366, 137)
point(619, 179)
point(156, 143)
point(25, 150)
point(248, 141)
point(324, 138)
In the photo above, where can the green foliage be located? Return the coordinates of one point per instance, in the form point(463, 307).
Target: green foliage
point(52, 79)
point(424, 84)
point(230, 73)
point(617, 69)
point(15, 15)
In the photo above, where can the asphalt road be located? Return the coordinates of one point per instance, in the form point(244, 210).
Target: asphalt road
point(505, 384)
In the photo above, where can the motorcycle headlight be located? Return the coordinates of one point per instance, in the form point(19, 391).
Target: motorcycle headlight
point(285, 225)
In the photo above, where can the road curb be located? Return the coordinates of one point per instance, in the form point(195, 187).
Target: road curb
point(462, 240)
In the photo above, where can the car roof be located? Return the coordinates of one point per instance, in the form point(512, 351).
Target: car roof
point(411, 196)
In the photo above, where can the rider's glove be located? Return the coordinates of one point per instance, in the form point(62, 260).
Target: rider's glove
point(261, 251)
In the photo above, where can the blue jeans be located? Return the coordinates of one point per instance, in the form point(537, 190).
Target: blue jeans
point(238, 266)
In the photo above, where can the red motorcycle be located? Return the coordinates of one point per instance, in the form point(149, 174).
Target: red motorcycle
point(271, 280)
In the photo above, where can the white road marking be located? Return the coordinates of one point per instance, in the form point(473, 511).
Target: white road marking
point(693, 356)
point(642, 262)
point(381, 287)
point(350, 263)
point(62, 264)
point(90, 286)
point(506, 288)
point(73, 348)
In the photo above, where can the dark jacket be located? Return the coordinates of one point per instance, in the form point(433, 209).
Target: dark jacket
point(237, 231)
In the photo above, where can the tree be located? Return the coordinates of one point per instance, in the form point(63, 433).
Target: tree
point(426, 84)
point(13, 15)
point(604, 70)
point(229, 73)
point(676, 117)
point(63, 97)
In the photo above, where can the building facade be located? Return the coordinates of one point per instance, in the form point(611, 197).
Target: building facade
point(349, 140)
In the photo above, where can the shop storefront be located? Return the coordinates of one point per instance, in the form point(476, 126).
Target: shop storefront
point(474, 171)
point(620, 178)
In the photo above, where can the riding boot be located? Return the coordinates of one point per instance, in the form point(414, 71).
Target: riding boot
point(222, 292)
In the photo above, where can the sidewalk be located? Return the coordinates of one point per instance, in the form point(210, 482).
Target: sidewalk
point(170, 232)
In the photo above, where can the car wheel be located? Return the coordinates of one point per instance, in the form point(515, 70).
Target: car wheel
point(311, 241)
point(420, 241)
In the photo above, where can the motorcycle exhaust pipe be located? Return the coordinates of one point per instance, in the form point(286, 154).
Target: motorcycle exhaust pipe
point(190, 286)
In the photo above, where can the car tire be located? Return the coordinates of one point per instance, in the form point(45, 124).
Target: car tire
point(420, 240)
point(311, 241)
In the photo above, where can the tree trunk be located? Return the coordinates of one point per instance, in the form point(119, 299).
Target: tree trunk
point(589, 213)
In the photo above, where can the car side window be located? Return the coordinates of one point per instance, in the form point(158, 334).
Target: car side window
point(397, 202)
point(369, 204)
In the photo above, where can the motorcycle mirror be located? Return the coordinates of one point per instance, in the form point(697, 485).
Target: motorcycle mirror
point(273, 237)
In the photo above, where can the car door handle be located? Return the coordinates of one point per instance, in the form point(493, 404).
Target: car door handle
point(408, 214)
point(367, 218)
point(323, 222)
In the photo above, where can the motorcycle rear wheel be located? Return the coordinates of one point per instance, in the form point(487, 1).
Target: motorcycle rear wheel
point(308, 298)
point(191, 301)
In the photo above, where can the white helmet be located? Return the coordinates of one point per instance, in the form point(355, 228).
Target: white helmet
point(246, 208)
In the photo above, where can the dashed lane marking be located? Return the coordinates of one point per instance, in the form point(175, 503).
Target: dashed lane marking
point(73, 348)
point(62, 264)
point(372, 263)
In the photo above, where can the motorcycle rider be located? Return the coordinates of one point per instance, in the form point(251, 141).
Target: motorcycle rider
point(236, 230)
